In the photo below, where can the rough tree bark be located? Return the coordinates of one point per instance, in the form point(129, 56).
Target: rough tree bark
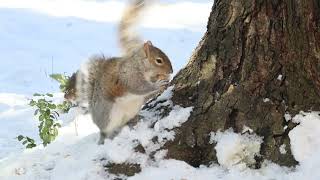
point(252, 50)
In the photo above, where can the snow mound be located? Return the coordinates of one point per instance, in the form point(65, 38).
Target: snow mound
point(282, 149)
point(13, 100)
point(236, 150)
point(76, 149)
point(305, 138)
point(178, 170)
point(76, 155)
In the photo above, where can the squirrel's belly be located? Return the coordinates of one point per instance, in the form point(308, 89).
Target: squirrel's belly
point(123, 110)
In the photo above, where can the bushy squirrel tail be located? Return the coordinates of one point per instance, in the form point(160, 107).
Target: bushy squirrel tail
point(81, 85)
point(129, 40)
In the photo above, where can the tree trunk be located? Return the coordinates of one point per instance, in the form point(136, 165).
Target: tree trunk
point(257, 61)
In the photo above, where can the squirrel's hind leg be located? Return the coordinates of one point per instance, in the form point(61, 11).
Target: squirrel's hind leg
point(104, 135)
point(102, 138)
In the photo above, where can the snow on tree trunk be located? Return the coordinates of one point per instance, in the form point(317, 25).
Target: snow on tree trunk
point(257, 61)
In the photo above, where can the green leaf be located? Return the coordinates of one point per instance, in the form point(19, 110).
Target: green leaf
point(58, 77)
point(56, 114)
point(25, 142)
point(40, 125)
point(20, 137)
point(36, 112)
point(52, 106)
point(47, 113)
point(44, 130)
point(29, 146)
point(42, 105)
point(41, 117)
point(55, 132)
point(46, 110)
point(63, 87)
point(32, 103)
point(49, 122)
point(46, 139)
point(30, 140)
point(62, 79)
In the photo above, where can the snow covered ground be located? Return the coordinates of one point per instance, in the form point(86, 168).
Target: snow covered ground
point(77, 156)
point(40, 37)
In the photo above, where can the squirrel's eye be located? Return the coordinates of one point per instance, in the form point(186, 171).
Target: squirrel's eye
point(159, 61)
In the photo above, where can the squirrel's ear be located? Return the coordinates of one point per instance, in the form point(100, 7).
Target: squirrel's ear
point(146, 46)
point(148, 43)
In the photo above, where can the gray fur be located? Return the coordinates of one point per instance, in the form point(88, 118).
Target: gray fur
point(129, 41)
point(96, 81)
point(132, 74)
point(100, 110)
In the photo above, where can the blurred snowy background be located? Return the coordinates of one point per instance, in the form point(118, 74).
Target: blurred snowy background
point(41, 37)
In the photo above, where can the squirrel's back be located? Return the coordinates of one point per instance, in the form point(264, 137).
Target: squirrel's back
point(99, 74)
point(81, 83)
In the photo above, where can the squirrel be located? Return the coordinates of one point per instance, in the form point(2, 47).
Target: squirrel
point(114, 89)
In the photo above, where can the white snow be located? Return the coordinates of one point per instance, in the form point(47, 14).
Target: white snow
point(40, 37)
point(266, 100)
point(282, 149)
point(12, 100)
point(246, 129)
point(34, 44)
point(167, 94)
point(81, 156)
point(180, 116)
point(177, 170)
point(236, 150)
point(287, 117)
point(305, 139)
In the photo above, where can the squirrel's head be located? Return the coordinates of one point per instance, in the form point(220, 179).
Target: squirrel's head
point(159, 65)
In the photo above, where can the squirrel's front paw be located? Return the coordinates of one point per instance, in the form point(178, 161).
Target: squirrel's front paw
point(162, 83)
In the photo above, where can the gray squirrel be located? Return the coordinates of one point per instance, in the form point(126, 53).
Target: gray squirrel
point(116, 88)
